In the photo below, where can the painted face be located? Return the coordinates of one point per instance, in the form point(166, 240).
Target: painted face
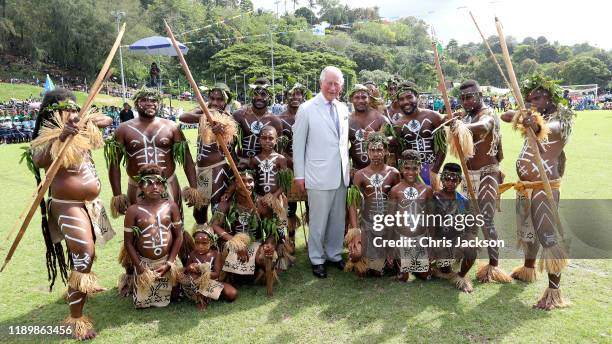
point(267, 139)
point(216, 100)
point(376, 153)
point(361, 100)
point(539, 99)
point(147, 107)
point(260, 98)
point(410, 171)
point(373, 90)
point(152, 188)
point(202, 243)
point(470, 99)
point(450, 181)
point(296, 99)
point(392, 88)
point(408, 102)
point(331, 86)
point(249, 182)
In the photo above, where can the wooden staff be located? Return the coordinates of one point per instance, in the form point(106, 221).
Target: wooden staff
point(52, 170)
point(499, 69)
point(531, 137)
point(202, 103)
point(449, 116)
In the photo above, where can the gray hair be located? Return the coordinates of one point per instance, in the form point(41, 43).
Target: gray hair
point(334, 70)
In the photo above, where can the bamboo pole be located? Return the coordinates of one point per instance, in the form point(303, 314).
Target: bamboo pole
point(202, 103)
point(499, 69)
point(52, 170)
point(531, 137)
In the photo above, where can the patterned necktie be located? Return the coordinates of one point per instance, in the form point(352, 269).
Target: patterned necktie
point(334, 116)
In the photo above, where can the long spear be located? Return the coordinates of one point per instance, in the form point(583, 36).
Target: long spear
point(449, 116)
point(486, 43)
point(202, 103)
point(531, 137)
point(52, 170)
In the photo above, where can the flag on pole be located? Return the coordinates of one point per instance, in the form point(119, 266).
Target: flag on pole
point(49, 86)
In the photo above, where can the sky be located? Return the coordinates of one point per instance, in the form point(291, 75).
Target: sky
point(566, 21)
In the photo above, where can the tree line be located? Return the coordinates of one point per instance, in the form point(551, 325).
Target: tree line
point(75, 35)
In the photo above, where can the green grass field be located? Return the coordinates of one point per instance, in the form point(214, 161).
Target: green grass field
point(341, 308)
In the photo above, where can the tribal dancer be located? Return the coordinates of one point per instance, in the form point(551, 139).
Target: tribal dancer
point(74, 211)
point(412, 197)
point(450, 202)
point(372, 183)
point(297, 95)
point(145, 140)
point(199, 280)
point(415, 130)
point(153, 235)
point(247, 237)
point(363, 121)
point(253, 118)
point(212, 170)
point(483, 167)
point(552, 124)
point(272, 178)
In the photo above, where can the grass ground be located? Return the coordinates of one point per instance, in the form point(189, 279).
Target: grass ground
point(341, 308)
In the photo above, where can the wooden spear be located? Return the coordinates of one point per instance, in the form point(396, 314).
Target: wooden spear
point(531, 137)
point(449, 116)
point(52, 170)
point(202, 103)
point(499, 69)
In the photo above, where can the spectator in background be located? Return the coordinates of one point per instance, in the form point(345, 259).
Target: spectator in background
point(154, 74)
point(126, 114)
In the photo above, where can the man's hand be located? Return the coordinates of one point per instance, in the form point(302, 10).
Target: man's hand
point(300, 184)
point(161, 271)
point(192, 268)
point(70, 129)
point(218, 128)
point(243, 255)
point(529, 121)
point(434, 180)
point(268, 250)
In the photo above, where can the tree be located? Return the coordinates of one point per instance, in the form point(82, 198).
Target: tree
point(547, 53)
point(541, 40)
point(523, 52)
point(307, 14)
point(527, 67)
point(379, 77)
point(586, 70)
point(368, 57)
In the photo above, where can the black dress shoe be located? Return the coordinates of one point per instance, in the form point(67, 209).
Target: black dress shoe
point(319, 271)
point(339, 264)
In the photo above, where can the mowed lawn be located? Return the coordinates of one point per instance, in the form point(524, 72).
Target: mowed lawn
point(341, 308)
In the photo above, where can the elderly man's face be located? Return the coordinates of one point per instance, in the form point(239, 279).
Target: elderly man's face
point(331, 85)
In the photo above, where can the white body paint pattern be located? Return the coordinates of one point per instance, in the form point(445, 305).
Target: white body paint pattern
point(359, 142)
point(150, 153)
point(80, 262)
point(525, 163)
point(409, 202)
point(250, 143)
point(415, 137)
point(267, 173)
point(380, 190)
point(204, 150)
point(155, 235)
point(69, 224)
point(87, 171)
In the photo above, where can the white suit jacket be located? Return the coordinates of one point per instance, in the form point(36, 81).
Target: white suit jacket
point(320, 155)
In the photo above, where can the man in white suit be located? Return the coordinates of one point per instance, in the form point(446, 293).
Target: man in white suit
point(321, 166)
